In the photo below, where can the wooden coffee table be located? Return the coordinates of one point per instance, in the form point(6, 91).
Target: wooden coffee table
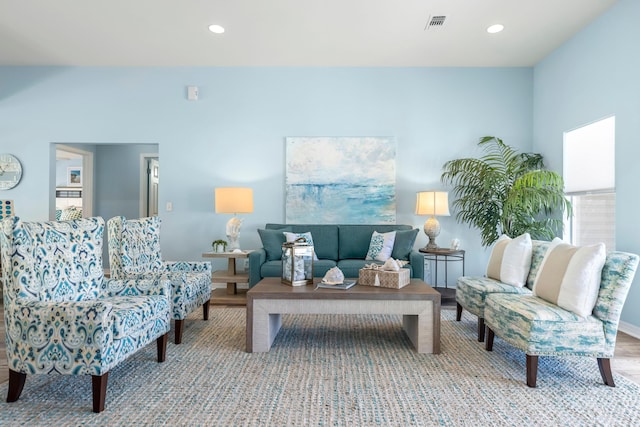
point(418, 303)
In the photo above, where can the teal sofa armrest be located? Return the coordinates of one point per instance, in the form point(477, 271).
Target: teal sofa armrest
point(416, 259)
point(256, 259)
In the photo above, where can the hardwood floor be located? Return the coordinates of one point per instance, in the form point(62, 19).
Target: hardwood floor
point(626, 361)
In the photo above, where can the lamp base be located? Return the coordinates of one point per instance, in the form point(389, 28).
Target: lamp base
point(432, 229)
point(431, 246)
point(233, 233)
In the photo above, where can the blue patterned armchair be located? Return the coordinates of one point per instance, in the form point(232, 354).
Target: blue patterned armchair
point(541, 328)
point(61, 314)
point(134, 251)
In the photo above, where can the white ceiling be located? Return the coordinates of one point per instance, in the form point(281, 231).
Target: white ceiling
point(287, 32)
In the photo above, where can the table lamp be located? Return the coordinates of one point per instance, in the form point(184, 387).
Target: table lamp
point(233, 200)
point(432, 203)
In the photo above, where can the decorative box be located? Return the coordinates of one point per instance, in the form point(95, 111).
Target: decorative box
point(383, 278)
point(297, 263)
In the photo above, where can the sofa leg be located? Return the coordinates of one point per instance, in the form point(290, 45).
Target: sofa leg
point(16, 384)
point(532, 370)
point(458, 311)
point(99, 388)
point(205, 310)
point(488, 345)
point(179, 326)
point(480, 329)
point(605, 371)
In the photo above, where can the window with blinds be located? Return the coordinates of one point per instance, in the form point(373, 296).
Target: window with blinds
point(589, 175)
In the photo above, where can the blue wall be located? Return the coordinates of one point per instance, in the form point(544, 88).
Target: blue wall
point(234, 135)
point(594, 75)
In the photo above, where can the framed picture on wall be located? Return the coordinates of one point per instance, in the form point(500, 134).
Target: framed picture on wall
point(74, 176)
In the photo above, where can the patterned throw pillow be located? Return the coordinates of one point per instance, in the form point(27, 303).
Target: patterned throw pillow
point(381, 246)
point(293, 236)
point(510, 260)
point(570, 277)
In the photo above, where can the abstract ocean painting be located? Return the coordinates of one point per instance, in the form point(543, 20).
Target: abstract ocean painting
point(348, 180)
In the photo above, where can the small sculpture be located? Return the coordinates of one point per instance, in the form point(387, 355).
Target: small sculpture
point(391, 265)
point(334, 276)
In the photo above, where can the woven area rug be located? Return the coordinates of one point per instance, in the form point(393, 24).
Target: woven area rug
point(330, 370)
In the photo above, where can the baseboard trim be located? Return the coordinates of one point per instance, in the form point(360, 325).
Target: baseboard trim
point(629, 329)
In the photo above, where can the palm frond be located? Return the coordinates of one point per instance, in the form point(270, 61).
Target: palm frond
point(504, 191)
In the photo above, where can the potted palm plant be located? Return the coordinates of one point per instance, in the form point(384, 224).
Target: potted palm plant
point(506, 192)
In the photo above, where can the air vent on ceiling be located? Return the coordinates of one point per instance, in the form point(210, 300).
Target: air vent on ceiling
point(435, 22)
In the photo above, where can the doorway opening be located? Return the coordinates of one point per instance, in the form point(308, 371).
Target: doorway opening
point(73, 183)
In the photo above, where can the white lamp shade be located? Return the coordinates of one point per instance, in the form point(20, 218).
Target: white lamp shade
point(234, 200)
point(432, 203)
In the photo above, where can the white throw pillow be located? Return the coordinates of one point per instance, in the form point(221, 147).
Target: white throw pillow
point(293, 236)
point(570, 277)
point(381, 246)
point(510, 260)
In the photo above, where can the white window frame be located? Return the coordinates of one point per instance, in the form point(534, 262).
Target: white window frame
point(588, 149)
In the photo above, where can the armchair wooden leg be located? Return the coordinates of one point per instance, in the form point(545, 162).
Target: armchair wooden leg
point(179, 327)
point(532, 370)
point(480, 329)
point(605, 371)
point(205, 310)
point(16, 384)
point(458, 311)
point(99, 389)
point(488, 345)
point(161, 343)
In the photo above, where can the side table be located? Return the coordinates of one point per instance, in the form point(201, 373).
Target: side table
point(230, 276)
point(444, 255)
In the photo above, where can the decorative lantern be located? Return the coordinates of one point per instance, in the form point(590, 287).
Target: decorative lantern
point(297, 263)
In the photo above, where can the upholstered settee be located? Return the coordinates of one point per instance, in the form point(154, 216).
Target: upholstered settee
point(542, 328)
point(472, 291)
point(341, 245)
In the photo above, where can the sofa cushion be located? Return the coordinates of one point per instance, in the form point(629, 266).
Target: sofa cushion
point(274, 268)
point(272, 241)
point(381, 246)
point(325, 237)
point(472, 291)
point(538, 327)
point(351, 267)
point(570, 277)
point(510, 260)
point(403, 245)
point(354, 239)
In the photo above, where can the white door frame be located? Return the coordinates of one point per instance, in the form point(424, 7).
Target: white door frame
point(143, 180)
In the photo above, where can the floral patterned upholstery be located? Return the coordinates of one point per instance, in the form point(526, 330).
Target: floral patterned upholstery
point(540, 328)
point(61, 314)
point(472, 291)
point(134, 251)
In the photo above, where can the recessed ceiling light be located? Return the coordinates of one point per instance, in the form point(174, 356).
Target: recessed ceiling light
point(218, 29)
point(495, 28)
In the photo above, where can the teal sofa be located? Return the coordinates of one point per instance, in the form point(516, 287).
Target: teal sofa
point(344, 246)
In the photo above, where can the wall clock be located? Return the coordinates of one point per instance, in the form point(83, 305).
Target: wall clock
point(10, 171)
